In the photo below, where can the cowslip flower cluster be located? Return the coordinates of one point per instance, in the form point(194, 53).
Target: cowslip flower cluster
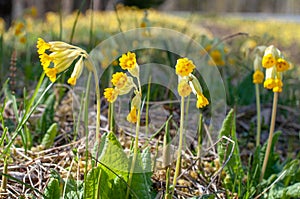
point(61, 56)
point(188, 82)
point(275, 65)
point(123, 84)
point(258, 75)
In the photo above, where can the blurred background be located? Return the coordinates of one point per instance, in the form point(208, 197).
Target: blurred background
point(11, 9)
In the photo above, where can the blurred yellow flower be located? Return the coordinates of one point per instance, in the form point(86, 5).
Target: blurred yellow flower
point(201, 101)
point(216, 58)
point(282, 65)
point(269, 83)
point(18, 28)
point(184, 88)
point(278, 86)
point(258, 77)
point(184, 67)
point(110, 94)
point(23, 39)
point(132, 116)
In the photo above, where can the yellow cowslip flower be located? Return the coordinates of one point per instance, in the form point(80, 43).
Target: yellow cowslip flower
point(51, 73)
point(268, 61)
point(128, 61)
point(258, 77)
point(184, 67)
point(76, 71)
point(278, 86)
point(62, 56)
point(184, 88)
point(132, 116)
point(269, 83)
point(110, 94)
point(42, 46)
point(122, 83)
point(197, 90)
point(45, 60)
point(282, 65)
point(119, 79)
point(201, 101)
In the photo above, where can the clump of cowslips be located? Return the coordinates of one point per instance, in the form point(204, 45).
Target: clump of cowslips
point(275, 65)
point(57, 56)
point(188, 82)
point(258, 75)
point(123, 84)
point(60, 57)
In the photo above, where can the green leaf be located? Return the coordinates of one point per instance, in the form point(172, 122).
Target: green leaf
point(110, 177)
point(147, 164)
point(113, 156)
point(279, 192)
point(234, 165)
point(73, 189)
point(141, 184)
point(292, 169)
point(49, 137)
point(52, 190)
point(97, 180)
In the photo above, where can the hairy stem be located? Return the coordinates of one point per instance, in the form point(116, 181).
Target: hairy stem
point(177, 169)
point(258, 120)
point(272, 127)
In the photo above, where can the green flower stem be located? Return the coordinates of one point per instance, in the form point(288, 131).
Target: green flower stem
point(96, 79)
point(135, 152)
point(200, 136)
point(272, 127)
point(258, 120)
point(177, 169)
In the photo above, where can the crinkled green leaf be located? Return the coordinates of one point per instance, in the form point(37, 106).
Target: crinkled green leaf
point(109, 179)
point(52, 190)
point(113, 155)
point(279, 192)
point(147, 164)
point(234, 165)
point(292, 169)
point(73, 189)
point(140, 185)
point(92, 184)
point(50, 135)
